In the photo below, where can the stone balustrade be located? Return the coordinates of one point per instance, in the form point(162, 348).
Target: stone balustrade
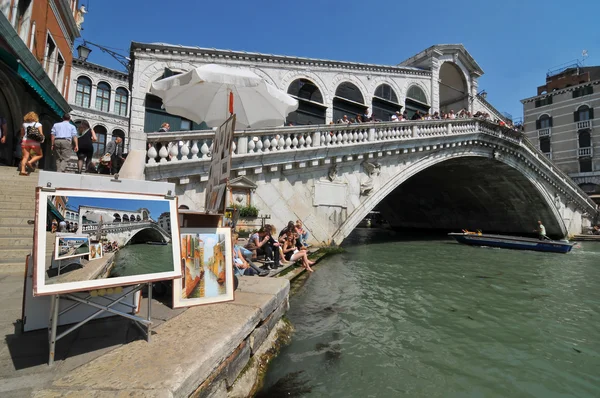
point(183, 154)
point(197, 145)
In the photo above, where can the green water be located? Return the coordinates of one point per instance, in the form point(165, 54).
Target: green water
point(438, 319)
point(143, 259)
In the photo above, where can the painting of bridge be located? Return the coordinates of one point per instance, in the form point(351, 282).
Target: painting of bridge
point(127, 239)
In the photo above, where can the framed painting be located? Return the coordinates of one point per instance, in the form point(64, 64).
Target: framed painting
point(206, 267)
point(128, 239)
point(95, 250)
point(71, 246)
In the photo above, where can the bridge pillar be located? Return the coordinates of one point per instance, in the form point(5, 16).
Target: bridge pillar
point(371, 134)
point(316, 138)
point(242, 145)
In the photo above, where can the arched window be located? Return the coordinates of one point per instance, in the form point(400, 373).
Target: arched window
point(544, 122)
point(121, 99)
point(102, 97)
point(310, 103)
point(585, 139)
point(145, 215)
point(125, 218)
point(348, 101)
point(120, 133)
point(385, 102)
point(132, 217)
point(138, 218)
point(545, 144)
point(584, 113)
point(117, 217)
point(83, 92)
point(416, 100)
point(100, 145)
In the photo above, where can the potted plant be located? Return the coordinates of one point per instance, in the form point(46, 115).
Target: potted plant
point(248, 217)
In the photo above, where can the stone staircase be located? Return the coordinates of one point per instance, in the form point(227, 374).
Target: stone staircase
point(17, 198)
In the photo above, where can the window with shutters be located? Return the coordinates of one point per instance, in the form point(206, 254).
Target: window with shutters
point(545, 144)
point(543, 102)
point(585, 139)
point(585, 165)
point(543, 122)
point(121, 98)
point(581, 91)
point(583, 113)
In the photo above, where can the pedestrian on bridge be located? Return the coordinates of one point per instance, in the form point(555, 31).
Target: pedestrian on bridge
point(62, 134)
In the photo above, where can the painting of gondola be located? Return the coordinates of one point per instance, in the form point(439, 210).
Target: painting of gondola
point(120, 239)
point(206, 267)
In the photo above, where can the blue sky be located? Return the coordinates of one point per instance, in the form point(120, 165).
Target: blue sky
point(155, 207)
point(514, 42)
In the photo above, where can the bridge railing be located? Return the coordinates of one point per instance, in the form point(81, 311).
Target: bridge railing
point(197, 145)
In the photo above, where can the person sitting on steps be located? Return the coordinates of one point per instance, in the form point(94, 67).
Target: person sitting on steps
point(292, 253)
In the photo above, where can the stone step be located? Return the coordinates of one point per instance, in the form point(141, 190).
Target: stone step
point(15, 220)
point(25, 197)
point(20, 230)
point(16, 240)
point(13, 268)
point(10, 183)
point(14, 206)
point(10, 254)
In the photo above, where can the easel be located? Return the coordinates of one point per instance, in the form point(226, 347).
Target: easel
point(144, 324)
point(46, 181)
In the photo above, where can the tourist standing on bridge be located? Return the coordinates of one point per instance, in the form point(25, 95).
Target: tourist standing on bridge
point(541, 230)
point(115, 151)
point(62, 134)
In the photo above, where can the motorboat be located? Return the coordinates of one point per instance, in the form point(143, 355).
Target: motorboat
point(512, 242)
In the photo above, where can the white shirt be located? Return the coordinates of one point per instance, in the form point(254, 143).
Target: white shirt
point(34, 124)
point(64, 129)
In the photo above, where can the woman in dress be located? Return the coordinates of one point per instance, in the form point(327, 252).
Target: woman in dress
point(31, 123)
point(85, 143)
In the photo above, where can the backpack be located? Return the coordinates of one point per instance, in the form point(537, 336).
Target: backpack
point(34, 134)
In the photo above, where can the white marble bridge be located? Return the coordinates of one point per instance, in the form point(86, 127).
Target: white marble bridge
point(439, 174)
point(126, 232)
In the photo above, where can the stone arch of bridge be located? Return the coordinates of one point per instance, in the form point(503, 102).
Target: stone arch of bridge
point(555, 226)
point(143, 235)
point(454, 87)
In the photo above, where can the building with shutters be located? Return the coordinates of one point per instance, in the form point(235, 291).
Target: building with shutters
point(560, 120)
point(36, 41)
point(100, 95)
point(440, 78)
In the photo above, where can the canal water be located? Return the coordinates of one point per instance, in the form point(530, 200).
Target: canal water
point(143, 259)
point(432, 318)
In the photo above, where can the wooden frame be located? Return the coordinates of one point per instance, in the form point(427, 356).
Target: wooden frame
point(206, 267)
point(66, 285)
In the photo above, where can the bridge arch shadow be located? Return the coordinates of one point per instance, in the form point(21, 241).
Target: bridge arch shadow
point(462, 191)
point(148, 234)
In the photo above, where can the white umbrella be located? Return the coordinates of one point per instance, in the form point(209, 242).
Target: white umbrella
point(202, 95)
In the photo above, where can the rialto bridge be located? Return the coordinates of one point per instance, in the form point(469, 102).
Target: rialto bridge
point(439, 174)
point(128, 232)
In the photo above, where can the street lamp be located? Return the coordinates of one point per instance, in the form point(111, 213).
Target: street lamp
point(83, 52)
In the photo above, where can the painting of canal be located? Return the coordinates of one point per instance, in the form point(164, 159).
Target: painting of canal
point(71, 246)
point(206, 267)
point(110, 239)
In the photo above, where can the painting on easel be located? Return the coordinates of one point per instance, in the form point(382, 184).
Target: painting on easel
point(206, 267)
point(120, 239)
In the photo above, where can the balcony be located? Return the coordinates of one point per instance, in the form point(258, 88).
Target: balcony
point(545, 132)
point(585, 124)
point(584, 152)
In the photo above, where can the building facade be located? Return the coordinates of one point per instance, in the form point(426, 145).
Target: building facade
point(164, 221)
point(440, 78)
point(100, 95)
point(36, 41)
point(560, 120)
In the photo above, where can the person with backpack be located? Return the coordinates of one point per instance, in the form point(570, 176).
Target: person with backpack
point(32, 137)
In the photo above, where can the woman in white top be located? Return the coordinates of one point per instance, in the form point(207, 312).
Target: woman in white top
point(28, 145)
